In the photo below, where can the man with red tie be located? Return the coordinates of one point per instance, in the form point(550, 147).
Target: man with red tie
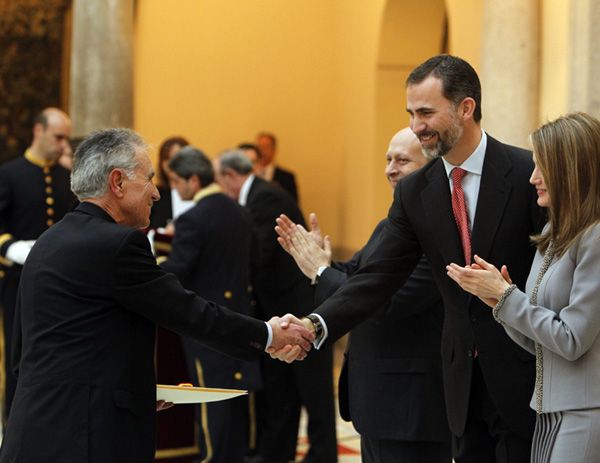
point(473, 198)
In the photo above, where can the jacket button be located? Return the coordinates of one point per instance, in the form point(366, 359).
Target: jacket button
point(237, 375)
point(228, 294)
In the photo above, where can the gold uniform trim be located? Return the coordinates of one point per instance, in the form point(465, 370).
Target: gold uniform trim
point(211, 189)
point(179, 452)
point(204, 414)
point(3, 239)
point(162, 246)
point(43, 163)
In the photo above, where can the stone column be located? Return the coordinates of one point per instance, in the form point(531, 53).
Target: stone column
point(584, 57)
point(101, 92)
point(509, 74)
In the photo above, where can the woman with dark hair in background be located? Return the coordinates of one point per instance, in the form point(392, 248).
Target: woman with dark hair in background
point(170, 204)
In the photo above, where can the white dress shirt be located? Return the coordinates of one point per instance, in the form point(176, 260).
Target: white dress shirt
point(243, 197)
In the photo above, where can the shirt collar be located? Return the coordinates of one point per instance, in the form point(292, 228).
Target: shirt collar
point(474, 163)
point(32, 158)
point(243, 198)
point(211, 189)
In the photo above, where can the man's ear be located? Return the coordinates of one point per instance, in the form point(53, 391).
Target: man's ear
point(38, 129)
point(116, 178)
point(467, 108)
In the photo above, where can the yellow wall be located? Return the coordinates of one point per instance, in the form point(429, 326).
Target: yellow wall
point(554, 59)
point(327, 76)
point(465, 24)
point(218, 71)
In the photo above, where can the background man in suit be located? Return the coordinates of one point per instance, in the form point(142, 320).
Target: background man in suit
point(34, 194)
point(491, 212)
point(267, 144)
point(278, 283)
point(211, 256)
point(89, 298)
point(390, 385)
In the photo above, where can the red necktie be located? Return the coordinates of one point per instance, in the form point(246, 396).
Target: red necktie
point(459, 208)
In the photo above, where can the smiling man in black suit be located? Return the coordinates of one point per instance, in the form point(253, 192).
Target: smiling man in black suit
point(91, 295)
point(474, 198)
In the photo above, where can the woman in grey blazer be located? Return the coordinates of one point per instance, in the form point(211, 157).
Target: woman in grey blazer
point(557, 318)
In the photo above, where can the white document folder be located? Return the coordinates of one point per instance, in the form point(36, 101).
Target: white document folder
point(187, 394)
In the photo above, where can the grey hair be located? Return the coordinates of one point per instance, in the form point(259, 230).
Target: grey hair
point(235, 160)
point(191, 161)
point(98, 155)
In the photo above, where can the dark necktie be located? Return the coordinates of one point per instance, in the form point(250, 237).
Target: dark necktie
point(459, 208)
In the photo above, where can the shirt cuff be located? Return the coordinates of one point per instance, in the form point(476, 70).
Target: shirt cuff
point(269, 336)
point(320, 271)
point(317, 343)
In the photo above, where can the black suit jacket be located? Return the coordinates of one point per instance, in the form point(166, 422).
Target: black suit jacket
point(286, 180)
point(421, 221)
point(390, 385)
point(211, 256)
point(90, 296)
point(279, 285)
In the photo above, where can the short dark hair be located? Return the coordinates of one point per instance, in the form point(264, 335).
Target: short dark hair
point(41, 118)
point(191, 161)
point(459, 79)
point(250, 146)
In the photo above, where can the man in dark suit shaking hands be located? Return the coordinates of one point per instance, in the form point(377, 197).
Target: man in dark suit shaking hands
point(474, 198)
point(90, 296)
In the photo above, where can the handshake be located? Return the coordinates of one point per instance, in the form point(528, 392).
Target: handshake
point(292, 338)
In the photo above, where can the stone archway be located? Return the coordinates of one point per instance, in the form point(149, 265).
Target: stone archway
point(410, 33)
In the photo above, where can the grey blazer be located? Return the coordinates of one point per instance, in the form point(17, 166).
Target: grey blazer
point(566, 323)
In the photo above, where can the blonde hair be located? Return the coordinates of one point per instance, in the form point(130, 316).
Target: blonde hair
point(567, 152)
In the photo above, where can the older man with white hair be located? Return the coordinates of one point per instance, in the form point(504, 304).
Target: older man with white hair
point(91, 296)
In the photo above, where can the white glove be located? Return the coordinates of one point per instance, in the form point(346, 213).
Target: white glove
point(19, 250)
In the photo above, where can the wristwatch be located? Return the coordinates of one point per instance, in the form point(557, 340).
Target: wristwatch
point(318, 326)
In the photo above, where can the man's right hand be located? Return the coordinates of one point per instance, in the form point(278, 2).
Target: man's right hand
point(291, 338)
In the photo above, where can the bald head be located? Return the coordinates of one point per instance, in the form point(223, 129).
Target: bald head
point(404, 156)
point(51, 133)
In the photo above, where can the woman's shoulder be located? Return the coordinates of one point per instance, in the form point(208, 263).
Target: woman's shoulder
point(588, 241)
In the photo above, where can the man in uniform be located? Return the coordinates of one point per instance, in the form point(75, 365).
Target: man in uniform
point(211, 256)
point(34, 194)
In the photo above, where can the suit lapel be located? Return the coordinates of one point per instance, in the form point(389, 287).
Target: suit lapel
point(253, 188)
point(437, 207)
point(494, 192)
